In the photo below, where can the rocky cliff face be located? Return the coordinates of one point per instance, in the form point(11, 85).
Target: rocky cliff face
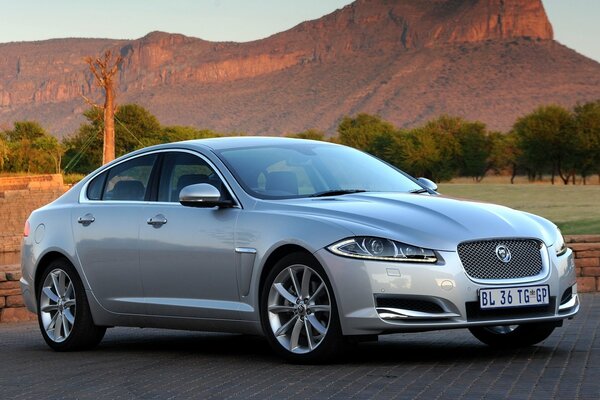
point(406, 60)
point(475, 21)
point(429, 23)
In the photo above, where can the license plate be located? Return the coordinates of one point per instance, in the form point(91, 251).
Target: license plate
point(514, 297)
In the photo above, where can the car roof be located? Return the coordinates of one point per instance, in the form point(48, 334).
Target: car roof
point(217, 144)
point(234, 142)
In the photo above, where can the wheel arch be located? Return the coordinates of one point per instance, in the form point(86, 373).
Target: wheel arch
point(334, 342)
point(43, 264)
point(273, 258)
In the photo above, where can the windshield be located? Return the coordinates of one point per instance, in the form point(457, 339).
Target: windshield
point(312, 169)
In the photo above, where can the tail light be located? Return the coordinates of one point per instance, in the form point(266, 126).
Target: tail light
point(26, 229)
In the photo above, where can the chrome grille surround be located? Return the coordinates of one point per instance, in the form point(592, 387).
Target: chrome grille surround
point(528, 261)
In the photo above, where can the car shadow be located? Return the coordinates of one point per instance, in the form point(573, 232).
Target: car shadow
point(397, 349)
point(201, 343)
point(425, 351)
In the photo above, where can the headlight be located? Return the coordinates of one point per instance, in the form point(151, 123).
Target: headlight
point(373, 248)
point(559, 245)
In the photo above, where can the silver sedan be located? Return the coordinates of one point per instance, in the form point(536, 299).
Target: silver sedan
point(310, 244)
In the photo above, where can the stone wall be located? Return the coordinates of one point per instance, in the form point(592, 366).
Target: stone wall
point(587, 261)
point(12, 308)
point(19, 196)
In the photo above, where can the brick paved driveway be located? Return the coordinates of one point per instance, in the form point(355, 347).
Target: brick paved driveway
point(157, 364)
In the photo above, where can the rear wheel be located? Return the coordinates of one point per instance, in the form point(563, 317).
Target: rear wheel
point(513, 336)
point(298, 311)
point(63, 311)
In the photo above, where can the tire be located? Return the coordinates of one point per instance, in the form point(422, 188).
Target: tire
point(63, 311)
point(513, 336)
point(298, 311)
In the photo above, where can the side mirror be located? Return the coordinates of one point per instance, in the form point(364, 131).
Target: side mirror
point(429, 184)
point(202, 195)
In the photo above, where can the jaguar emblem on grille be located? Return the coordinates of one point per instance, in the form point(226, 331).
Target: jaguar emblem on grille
point(503, 253)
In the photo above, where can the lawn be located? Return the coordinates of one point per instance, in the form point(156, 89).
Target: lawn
point(575, 209)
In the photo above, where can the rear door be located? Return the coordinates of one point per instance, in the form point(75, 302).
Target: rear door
point(106, 230)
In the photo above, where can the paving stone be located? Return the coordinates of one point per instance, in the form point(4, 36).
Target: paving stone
point(134, 363)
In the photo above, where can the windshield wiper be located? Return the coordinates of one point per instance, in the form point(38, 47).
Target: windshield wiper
point(337, 192)
point(419, 191)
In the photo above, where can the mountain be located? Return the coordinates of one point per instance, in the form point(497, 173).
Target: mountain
point(406, 60)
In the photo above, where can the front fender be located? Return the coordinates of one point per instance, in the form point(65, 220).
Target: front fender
point(265, 233)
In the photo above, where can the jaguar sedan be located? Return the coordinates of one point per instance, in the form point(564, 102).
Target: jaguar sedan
point(310, 244)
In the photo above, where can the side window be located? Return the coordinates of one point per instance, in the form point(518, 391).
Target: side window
point(182, 169)
point(94, 189)
point(129, 180)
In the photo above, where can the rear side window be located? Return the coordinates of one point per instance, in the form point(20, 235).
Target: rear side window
point(128, 181)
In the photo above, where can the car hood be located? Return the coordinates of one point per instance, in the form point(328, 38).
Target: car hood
point(435, 222)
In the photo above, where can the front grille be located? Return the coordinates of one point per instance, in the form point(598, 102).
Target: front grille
point(407, 303)
point(480, 261)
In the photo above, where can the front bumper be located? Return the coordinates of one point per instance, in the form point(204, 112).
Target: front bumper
point(435, 296)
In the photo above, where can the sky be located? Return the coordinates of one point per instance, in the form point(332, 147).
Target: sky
point(575, 21)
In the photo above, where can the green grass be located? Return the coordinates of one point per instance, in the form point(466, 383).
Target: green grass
point(575, 209)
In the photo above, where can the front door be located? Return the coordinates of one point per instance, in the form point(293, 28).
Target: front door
point(187, 255)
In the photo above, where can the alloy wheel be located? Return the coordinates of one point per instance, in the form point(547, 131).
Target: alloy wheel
point(299, 309)
point(57, 305)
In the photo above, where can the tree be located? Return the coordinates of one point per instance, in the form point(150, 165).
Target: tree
point(4, 152)
point(83, 150)
point(434, 150)
point(178, 133)
point(505, 155)
point(104, 69)
point(546, 138)
point(587, 126)
point(53, 150)
point(360, 131)
point(25, 130)
point(475, 149)
point(390, 147)
point(30, 149)
point(311, 134)
point(136, 128)
point(20, 145)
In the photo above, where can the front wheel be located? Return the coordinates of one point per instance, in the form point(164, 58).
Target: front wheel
point(63, 311)
point(513, 336)
point(298, 311)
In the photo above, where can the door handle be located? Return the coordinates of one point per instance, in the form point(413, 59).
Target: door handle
point(86, 219)
point(157, 221)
